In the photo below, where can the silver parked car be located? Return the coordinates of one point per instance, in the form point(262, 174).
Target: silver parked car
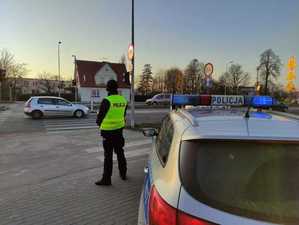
point(222, 166)
point(40, 106)
point(159, 99)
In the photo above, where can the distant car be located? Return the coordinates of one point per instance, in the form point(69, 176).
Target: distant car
point(159, 99)
point(279, 106)
point(222, 167)
point(48, 106)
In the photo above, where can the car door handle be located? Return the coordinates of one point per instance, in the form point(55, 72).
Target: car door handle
point(145, 170)
point(57, 107)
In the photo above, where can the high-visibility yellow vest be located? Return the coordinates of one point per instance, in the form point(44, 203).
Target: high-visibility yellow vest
point(115, 117)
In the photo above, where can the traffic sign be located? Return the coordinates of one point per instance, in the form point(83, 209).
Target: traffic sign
point(208, 70)
point(131, 52)
point(290, 86)
point(292, 63)
point(291, 75)
point(209, 82)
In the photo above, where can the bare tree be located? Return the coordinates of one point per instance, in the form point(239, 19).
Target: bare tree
point(14, 71)
point(47, 84)
point(270, 65)
point(159, 81)
point(193, 79)
point(234, 78)
point(7, 60)
point(174, 80)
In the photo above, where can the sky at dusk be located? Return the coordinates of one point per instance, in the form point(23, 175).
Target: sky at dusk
point(167, 33)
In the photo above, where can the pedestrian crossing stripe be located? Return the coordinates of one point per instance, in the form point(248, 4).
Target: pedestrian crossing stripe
point(4, 116)
point(61, 125)
point(128, 145)
point(143, 150)
point(72, 128)
point(129, 154)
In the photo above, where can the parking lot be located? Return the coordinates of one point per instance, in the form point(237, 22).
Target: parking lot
point(48, 168)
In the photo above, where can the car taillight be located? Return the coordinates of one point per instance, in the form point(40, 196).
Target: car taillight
point(161, 213)
point(185, 219)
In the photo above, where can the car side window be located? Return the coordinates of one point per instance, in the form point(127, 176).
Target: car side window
point(164, 140)
point(45, 101)
point(62, 102)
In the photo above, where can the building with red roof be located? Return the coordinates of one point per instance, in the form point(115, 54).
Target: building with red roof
point(92, 76)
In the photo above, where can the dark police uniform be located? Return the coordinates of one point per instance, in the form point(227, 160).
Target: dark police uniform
point(111, 120)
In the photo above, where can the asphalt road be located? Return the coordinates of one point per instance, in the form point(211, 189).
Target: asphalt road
point(14, 121)
point(48, 168)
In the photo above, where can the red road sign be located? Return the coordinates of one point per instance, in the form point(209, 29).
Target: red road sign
point(130, 52)
point(208, 70)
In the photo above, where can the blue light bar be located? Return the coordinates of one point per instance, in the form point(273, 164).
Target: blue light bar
point(262, 101)
point(181, 100)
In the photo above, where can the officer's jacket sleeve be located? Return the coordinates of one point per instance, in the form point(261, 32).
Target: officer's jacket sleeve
point(104, 107)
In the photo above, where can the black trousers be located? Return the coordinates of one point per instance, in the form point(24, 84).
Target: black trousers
point(113, 141)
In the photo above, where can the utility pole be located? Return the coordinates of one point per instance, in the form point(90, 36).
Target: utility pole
point(59, 43)
point(0, 90)
point(75, 77)
point(2, 76)
point(132, 73)
point(226, 74)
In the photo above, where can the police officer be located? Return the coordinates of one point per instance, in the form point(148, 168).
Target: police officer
point(111, 120)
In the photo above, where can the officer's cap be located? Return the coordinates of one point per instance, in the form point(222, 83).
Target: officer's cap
point(111, 85)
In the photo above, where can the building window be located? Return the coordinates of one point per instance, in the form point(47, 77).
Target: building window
point(95, 93)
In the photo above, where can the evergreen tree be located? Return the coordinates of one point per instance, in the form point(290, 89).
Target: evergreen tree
point(146, 81)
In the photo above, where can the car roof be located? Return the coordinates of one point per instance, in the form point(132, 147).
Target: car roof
point(231, 124)
point(54, 97)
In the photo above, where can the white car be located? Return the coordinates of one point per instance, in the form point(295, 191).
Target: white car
point(45, 106)
point(159, 99)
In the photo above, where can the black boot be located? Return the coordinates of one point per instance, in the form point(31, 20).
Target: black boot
point(104, 181)
point(123, 175)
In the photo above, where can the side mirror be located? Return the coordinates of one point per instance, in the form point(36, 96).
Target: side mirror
point(150, 132)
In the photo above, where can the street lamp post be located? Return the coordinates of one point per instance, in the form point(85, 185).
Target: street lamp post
point(59, 43)
point(132, 72)
point(75, 78)
point(226, 74)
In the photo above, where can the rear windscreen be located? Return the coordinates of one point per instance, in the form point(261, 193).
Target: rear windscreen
point(254, 179)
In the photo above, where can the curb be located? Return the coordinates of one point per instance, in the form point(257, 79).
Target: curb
point(287, 115)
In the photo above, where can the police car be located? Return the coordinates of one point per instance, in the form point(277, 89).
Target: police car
point(222, 166)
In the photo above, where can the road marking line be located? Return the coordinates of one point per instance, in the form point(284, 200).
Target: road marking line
point(3, 172)
point(129, 154)
point(70, 125)
point(128, 145)
point(21, 172)
point(71, 128)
